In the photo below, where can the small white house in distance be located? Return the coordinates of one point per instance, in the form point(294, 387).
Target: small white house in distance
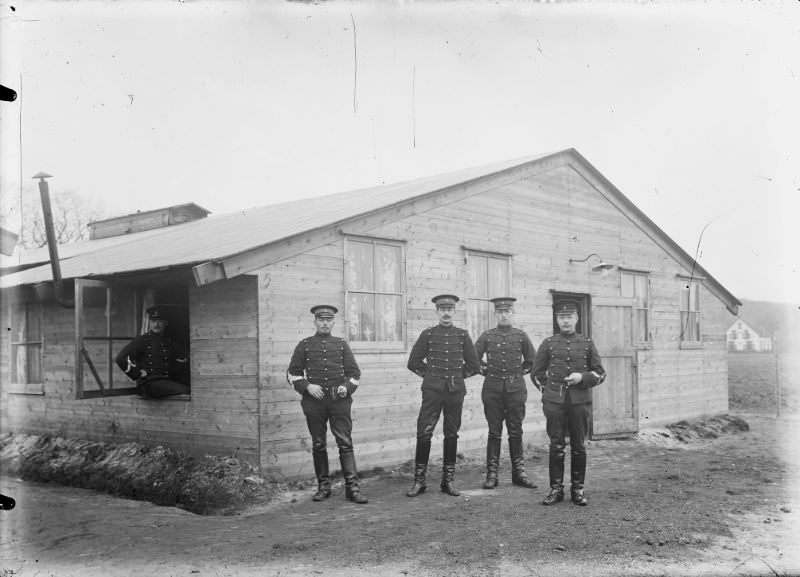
point(742, 337)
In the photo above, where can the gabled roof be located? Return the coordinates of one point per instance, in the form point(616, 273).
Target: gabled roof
point(757, 330)
point(217, 237)
point(226, 245)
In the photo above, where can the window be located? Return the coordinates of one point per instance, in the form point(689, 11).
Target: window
point(690, 310)
point(107, 320)
point(374, 293)
point(637, 286)
point(108, 317)
point(489, 276)
point(26, 345)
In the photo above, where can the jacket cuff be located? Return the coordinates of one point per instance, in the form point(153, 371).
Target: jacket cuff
point(299, 383)
point(590, 379)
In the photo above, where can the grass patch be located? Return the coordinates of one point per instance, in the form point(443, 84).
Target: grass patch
point(752, 380)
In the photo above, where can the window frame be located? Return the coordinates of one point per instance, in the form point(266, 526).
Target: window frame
point(17, 385)
point(689, 285)
point(82, 356)
point(636, 309)
point(375, 346)
point(506, 258)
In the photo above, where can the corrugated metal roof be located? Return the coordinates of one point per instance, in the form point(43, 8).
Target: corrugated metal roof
point(222, 236)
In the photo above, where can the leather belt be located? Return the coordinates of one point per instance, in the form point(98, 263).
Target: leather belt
point(510, 377)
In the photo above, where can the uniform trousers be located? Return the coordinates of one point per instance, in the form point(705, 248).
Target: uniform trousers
point(567, 418)
point(574, 419)
point(435, 403)
point(157, 387)
point(334, 411)
point(500, 405)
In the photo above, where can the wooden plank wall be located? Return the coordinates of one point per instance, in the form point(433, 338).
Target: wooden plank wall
point(244, 330)
point(220, 418)
point(543, 221)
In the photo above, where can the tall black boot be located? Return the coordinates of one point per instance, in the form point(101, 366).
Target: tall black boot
point(556, 469)
point(322, 473)
point(518, 475)
point(492, 463)
point(423, 452)
point(449, 467)
point(578, 475)
point(351, 491)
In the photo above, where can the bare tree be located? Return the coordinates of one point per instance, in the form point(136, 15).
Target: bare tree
point(71, 214)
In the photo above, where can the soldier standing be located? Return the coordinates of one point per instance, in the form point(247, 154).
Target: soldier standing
point(566, 367)
point(509, 355)
point(324, 371)
point(443, 356)
point(154, 360)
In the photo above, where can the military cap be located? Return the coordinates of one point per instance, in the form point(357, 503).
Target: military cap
point(156, 313)
point(503, 303)
point(324, 311)
point(443, 300)
point(566, 307)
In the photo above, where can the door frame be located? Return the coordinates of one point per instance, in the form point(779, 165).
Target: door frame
point(584, 301)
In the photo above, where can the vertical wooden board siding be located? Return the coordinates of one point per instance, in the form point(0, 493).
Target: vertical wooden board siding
point(221, 416)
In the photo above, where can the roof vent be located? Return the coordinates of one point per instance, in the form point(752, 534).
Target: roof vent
point(147, 220)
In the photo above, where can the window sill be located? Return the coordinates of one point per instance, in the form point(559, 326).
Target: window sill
point(691, 345)
point(125, 392)
point(33, 389)
point(178, 398)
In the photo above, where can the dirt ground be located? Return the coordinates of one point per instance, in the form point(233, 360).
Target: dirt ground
point(658, 506)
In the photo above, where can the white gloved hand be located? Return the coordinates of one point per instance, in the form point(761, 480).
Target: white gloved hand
point(574, 378)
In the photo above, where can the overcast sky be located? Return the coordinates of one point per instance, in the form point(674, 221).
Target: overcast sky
point(690, 109)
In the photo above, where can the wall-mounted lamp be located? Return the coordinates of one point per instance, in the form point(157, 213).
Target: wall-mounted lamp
point(601, 266)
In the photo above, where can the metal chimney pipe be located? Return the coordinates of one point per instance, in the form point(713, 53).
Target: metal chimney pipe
point(52, 247)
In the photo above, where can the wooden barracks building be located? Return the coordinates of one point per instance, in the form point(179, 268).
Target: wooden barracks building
point(238, 288)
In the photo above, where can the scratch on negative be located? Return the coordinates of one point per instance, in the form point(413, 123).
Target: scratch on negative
point(414, 107)
point(355, 64)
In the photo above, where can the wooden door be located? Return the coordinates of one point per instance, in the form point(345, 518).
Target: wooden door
point(615, 411)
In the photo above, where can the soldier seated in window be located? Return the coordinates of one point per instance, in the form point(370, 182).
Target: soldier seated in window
point(154, 361)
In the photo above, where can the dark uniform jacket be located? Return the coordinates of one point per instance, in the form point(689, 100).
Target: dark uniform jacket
point(323, 360)
point(444, 357)
point(509, 355)
point(155, 353)
point(561, 355)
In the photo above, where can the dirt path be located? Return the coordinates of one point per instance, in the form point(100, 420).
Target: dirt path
point(728, 506)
